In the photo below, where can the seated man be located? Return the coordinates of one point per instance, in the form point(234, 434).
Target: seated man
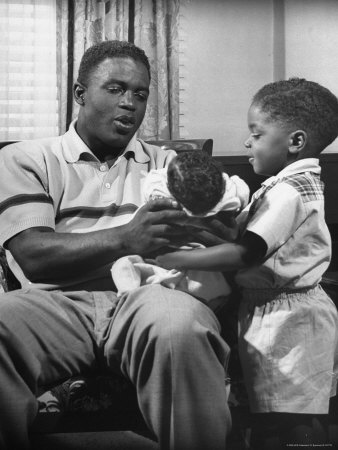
point(66, 213)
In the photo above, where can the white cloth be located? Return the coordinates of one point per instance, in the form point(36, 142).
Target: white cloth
point(131, 272)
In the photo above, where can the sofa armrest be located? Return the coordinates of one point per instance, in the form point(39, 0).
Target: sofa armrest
point(8, 282)
point(3, 271)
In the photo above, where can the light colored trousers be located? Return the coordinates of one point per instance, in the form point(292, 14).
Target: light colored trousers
point(166, 342)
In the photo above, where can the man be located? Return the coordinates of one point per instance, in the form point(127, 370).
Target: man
point(67, 207)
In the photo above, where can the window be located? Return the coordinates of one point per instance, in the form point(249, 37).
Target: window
point(28, 83)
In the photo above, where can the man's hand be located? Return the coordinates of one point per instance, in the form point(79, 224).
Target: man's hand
point(45, 255)
point(157, 224)
point(213, 230)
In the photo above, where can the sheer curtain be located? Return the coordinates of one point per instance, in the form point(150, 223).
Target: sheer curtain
point(151, 24)
point(28, 87)
point(81, 24)
point(156, 26)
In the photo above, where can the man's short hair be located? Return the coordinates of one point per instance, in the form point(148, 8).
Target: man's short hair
point(303, 104)
point(195, 181)
point(94, 55)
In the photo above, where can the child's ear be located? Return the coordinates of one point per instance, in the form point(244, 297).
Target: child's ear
point(297, 141)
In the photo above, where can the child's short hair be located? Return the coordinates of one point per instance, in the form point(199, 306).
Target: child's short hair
point(195, 181)
point(304, 104)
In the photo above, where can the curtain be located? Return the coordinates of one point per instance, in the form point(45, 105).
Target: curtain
point(28, 86)
point(156, 31)
point(151, 24)
point(81, 24)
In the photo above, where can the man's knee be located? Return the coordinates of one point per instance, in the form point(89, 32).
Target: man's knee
point(175, 321)
point(165, 308)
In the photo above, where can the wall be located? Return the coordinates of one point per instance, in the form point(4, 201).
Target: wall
point(226, 54)
point(311, 43)
point(230, 48)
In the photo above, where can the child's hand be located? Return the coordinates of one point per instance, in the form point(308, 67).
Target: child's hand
point(171, 260)
point(166, 261)
point(224, 227)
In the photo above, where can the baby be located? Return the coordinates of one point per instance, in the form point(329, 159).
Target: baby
point(195, 181)
point(198, 184)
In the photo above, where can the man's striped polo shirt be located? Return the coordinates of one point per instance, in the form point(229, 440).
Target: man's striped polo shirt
point(59, 183)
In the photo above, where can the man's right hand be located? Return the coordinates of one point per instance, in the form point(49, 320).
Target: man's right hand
point(47, 256)
point(155, 225)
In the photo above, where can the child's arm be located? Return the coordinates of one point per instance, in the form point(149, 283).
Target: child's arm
point(224, 257)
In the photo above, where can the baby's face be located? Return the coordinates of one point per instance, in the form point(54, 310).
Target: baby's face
point(268, 143)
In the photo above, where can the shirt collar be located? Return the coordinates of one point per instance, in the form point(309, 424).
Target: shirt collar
point(301, 166)
point(136, 147)
point(74, 147)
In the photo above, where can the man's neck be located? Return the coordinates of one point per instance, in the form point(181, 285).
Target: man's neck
point(98, 148)
point(110, 159)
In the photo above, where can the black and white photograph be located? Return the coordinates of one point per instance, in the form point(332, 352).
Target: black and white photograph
point(168, 224)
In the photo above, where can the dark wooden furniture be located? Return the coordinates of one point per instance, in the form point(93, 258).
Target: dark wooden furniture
point(184, 145)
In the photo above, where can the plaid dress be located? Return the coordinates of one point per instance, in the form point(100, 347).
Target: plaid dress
point(287, 323)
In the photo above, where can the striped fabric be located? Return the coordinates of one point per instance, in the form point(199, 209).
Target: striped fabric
point(22, 199)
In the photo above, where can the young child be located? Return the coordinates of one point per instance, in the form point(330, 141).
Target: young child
point(287, 323)
point(203, 190)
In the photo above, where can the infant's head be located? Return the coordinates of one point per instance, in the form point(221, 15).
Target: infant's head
point(195, 181)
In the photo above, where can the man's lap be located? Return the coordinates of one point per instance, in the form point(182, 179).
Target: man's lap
point(63, 321)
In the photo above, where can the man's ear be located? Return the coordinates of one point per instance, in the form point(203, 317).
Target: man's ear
point(79, 93)
point(297, 141)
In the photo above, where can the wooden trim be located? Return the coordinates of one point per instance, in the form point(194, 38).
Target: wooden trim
point(232, 159)
point(328, 157)
point(4, 143)
point(184, 145)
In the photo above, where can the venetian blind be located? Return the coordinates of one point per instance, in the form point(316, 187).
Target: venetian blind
point(28, 84)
